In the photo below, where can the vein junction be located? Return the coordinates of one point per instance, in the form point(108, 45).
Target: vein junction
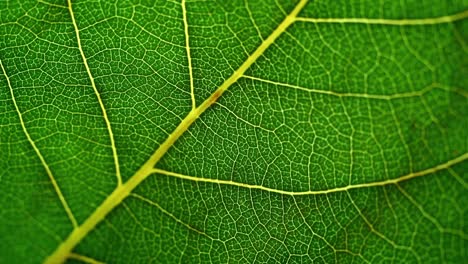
point(124, 190)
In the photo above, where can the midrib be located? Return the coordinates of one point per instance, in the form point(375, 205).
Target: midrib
point(122, 191)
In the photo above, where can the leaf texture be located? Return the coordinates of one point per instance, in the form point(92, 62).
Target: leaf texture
point(236, 131)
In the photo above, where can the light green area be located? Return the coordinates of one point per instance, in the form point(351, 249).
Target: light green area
point(342, 143)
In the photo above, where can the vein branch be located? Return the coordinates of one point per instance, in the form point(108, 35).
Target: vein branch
point(358, 95)
point(384, 21)
point(406, 177)
point(189, 57)
point(83, 258)
point(98, 95)
point(124, 190)
point(38, 153)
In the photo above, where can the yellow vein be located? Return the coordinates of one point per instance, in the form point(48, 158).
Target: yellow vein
point(406, 177)
point(98, 95)
point(122, 191)
point(395, 22)
point(357, 95)
point(189, 58)
point(84, 259)
point(41, 158)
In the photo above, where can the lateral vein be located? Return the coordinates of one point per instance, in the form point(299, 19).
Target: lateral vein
point(189, 57)
point(384, 21)
point(98, 95)
point(38, 153)
point(406, 177)
point(83, 258)
point(418, 93)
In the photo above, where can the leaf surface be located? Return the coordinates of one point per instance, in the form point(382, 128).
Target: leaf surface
point(233, 131)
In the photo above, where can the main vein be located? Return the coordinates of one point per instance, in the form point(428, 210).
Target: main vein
point(122, 191)
point(38, 153)
point(98, 95)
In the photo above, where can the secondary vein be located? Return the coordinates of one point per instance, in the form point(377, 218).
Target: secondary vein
point(98, 95)
point(189, 57)
point(84, 259)
point(385, 21)
point(38, 153)
point(428, 171)
point(387, 97)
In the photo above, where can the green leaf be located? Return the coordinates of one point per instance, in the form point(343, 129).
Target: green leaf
point(233, 131)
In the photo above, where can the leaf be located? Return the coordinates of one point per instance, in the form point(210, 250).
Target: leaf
point(233, 131)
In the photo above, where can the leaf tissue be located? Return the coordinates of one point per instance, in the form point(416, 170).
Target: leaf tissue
point(233, 131)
